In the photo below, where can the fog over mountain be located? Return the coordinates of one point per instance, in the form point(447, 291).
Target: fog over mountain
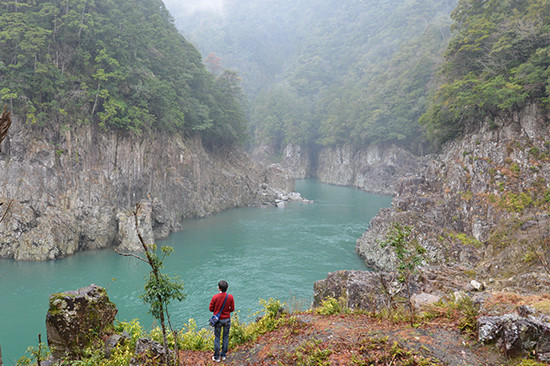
point(183, 7)
point(324, 73)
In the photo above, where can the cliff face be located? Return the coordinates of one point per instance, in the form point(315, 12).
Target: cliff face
point(69, 188)
point(375, 169)
point(491, 179)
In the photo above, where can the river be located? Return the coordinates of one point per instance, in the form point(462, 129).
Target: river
point(261, 252)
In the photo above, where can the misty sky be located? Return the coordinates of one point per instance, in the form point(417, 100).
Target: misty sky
point(178, 7)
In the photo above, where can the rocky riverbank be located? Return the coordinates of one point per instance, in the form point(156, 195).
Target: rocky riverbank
point(69, 189)
point(482, 205)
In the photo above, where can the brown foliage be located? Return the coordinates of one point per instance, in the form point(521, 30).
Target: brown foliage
point(5, 123)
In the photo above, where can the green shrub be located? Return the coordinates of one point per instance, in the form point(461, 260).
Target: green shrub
point(333, 306)
point(133, 328)
point(192, 338)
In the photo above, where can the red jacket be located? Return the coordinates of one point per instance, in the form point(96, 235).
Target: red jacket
point(217, 302)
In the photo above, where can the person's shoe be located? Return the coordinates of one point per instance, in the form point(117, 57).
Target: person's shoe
point(215, 359)
point(224, 358)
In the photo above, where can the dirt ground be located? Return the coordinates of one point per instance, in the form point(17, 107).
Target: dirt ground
point(357, 340)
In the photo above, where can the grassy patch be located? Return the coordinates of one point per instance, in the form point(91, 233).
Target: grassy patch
point(466, 239)
point(380, 351)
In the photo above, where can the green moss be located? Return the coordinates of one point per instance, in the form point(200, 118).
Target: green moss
point(332, 306)
point(515, 202)
point(467, 240)
point(535, 151)
point(530, 363)
point(543, 306)
point(470, 273)
point(529, 257)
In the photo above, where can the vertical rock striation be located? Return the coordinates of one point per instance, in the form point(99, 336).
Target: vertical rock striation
point(68, 187)
point(375, 169)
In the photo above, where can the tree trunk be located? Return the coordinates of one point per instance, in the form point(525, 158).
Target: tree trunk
point(164, 340)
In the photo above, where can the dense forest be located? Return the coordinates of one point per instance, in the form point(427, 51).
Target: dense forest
point(359, 72)
point(329, 73)
point(498, 59)
point(120, 64)
point(377, 71)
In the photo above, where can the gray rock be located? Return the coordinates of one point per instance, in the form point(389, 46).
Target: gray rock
point(367, 290)
point(296, 161)
point(127, 232)
point(77, 318)
point(146, 346)
point(68, 187)
point(543, 347)
point(448, 201)
point(423, 299)
point(376, 168)
point(362, 289)
point(113, 341)
point(460, 296)
point(477, 286)
point(515, 335)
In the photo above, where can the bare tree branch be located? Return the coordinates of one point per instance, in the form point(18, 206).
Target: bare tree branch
point(131, 255)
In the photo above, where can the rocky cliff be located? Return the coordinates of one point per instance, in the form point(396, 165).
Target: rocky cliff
point(483, 204)
point(70, 188)
point(375, 169)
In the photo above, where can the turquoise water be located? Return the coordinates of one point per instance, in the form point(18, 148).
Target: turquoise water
point(260, 252)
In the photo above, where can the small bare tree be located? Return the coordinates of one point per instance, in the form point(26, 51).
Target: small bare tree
point(160, 290)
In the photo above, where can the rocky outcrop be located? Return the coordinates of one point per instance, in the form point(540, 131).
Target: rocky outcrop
point(517, 335)
point(366, 290)
point(76, 318)
point(297, 161)
point(375, 169)
point(149, 349)
point(482, 181)
point(69, 188)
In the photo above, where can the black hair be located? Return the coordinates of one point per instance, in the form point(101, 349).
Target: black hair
point(223, 285)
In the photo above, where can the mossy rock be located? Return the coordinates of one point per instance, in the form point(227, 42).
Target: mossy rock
point(76, 319)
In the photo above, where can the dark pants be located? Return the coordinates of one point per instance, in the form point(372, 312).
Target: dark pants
point(225, 324)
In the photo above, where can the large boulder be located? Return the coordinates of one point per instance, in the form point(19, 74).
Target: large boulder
point(516, 334)
point(368, 290)
point(76, 318)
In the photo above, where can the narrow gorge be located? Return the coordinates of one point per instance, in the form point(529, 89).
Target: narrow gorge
point(479, 204)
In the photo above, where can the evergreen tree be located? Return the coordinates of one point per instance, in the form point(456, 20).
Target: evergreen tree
point(121, 64)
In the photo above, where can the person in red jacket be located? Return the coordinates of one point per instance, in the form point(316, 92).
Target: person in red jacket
point(225, 319)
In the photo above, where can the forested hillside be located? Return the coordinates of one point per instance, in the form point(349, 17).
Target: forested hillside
point(497, 60)
point(117, 63)
point(329, 73)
